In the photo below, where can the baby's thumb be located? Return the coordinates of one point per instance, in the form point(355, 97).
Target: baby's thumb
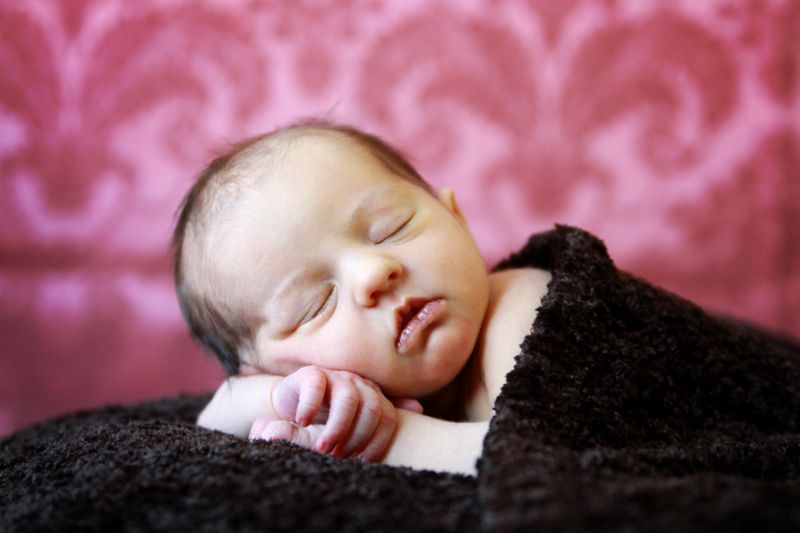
point(284, 399)
point(283, 430)
point(300, 395)
point(409, 404)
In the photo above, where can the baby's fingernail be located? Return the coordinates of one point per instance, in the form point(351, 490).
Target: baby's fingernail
point(322, 446)
point(256, 429)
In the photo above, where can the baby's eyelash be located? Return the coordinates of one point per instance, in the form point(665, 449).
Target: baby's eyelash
point(312, 313)
point(396, 230)
point(327, 303)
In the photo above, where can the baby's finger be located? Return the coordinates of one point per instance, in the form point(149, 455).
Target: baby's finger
point(257, 427)
point(409, 404)
point(312, 394)
point(372, 407)
point(376, 448)
point(343, 404)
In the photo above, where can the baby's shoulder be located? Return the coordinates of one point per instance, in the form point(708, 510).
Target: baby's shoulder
point(514, 297)
point(515, 283)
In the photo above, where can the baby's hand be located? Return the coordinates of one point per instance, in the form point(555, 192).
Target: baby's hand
point(358, 419)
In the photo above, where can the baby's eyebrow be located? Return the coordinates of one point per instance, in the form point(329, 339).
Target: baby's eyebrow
point(278, 312)
point(367, 202)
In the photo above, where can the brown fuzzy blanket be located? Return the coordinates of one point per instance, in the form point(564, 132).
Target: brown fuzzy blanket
point(628, 409)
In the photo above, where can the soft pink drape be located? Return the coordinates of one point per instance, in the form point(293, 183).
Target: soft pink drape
point(670, 129)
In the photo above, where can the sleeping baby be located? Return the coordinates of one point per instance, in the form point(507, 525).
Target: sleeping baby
point(347, 301)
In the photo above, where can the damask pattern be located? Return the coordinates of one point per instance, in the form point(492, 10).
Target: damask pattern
point(672, 130)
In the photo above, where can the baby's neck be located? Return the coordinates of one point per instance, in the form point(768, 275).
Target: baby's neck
point(514, 296)
point(453, 401)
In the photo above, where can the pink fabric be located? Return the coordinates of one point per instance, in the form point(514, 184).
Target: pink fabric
point(670, 129)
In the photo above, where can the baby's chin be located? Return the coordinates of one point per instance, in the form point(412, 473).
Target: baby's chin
point(436, 369)
point(430, 383)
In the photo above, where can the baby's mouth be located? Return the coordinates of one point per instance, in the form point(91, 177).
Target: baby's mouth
point(413, 318)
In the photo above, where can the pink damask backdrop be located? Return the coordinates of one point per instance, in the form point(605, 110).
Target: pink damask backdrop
point(670, 129)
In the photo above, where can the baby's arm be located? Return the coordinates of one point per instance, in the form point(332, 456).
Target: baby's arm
point(431, 443)
point(419, 441)
point(239, 401)
point(358, 419)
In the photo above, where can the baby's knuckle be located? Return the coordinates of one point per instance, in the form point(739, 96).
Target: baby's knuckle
point(345, 376)
point(384, 431)
point(310, 372)
point(372, 410)
point(371, 385)
point(315, 382)
point(349, 398)
point(389, 420)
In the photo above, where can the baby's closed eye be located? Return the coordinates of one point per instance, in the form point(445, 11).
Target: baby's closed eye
point(321, 303)
point(386, 231)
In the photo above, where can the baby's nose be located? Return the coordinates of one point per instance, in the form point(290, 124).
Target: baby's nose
point(374, 276)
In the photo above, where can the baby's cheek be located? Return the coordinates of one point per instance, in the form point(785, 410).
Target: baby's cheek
point(357, 353)
point(355, 342)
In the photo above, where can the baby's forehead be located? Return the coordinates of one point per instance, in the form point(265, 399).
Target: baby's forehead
point(235, 203)
point(235, 185)
point(273, 153)
point(236, 206)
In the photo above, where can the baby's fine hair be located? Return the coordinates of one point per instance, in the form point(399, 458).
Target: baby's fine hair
point(220, 330)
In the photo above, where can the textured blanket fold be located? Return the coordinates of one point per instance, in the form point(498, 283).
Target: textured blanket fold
point(628, 408)
point(631, 406)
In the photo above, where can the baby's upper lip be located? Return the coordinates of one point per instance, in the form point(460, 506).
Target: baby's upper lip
point(406, 311)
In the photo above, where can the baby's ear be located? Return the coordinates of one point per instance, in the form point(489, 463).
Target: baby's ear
point(448, 199)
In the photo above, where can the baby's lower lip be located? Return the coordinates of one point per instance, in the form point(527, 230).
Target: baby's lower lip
point(412, 332)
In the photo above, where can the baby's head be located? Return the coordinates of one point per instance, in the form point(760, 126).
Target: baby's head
point(318, 244)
